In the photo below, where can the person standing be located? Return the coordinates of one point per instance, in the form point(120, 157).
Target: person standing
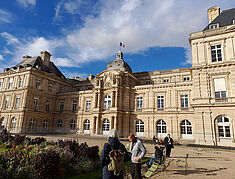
point(154, 139)
point(113, 144)
point(168, 144)
point(137, 150)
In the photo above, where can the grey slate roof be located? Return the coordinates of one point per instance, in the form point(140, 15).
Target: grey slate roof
point(224, 19)
point(118, 64)
point(36, 62)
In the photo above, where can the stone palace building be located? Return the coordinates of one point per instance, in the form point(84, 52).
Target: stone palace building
point(195, 104)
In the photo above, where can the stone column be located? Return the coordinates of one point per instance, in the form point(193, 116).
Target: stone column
point(94, 125)
point(97, 126)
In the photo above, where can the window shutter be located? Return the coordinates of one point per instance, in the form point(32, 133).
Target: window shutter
point(219, 84)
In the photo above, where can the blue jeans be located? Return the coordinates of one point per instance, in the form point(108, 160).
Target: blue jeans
point(151, 160)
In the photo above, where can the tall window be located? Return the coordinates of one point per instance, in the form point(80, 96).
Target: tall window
point(160, 102)
point(2, 123)
point(139, 102)
point(186, 127)
point(1, 85)
point(50, 87)
point(59, 124)
point(61, 106)
point(88, 105)
point(161, 127)
point(13, 124)
point(106, 125)
point(38, 83)
point(35, 103)
point(220, 88)
point(74, 105)
point(48, 105)
point(139, 126)
point(10, 83)
point(6, 102)
point(87, 125)
point(223, 127)
point(32, 124)
point(45, 124)
point(21, 82)
point(216, 53)
point(17, 101)
point(107, 102)
point(184, 100)
point(72, 124)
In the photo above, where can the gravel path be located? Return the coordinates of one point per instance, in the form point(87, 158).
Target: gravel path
point(202, 162)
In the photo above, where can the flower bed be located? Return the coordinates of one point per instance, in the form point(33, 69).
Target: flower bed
point(22, 157)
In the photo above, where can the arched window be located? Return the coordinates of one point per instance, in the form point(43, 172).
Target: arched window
point(107, 102)
point(59, 124)
point(32, 124)
point(139, 126)
point(161, 128)
point(87, 126)
point(223, 127)
point(106, 126)
point(73, 124)
point(186, 129)
point(13, 125)
point(2, 121)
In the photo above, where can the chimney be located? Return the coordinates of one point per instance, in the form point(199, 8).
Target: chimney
point(26, 57)
point(90, 77)
point(45, 56)
point(212, 13)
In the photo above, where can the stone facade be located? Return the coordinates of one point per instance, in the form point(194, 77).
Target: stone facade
point(196, 104)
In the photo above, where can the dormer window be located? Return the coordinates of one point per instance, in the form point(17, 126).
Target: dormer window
point(214, 26)
point(233, 21)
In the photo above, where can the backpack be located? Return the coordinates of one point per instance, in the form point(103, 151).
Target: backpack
point(116, 164)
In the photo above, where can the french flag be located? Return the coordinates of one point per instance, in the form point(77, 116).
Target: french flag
point(122, 45)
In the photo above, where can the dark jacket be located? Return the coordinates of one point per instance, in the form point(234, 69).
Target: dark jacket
point(167, 143)
point(104, 158)
point(158, 154)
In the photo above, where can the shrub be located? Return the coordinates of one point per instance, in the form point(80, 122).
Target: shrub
point(46, 164)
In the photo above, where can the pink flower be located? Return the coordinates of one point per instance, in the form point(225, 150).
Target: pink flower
point(70, 164)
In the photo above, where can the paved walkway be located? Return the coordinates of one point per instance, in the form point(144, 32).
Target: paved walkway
point(202, 162)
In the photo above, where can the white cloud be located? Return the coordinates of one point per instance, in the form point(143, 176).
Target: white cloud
point(34, 46)
point(64, 62)
point(80, 7)
point(57, 9)
point(10, 38)
point(140, 24)
point(72, 75)
point(73, 6)
point(1, 57)
point(26, 3)
point(5, 17)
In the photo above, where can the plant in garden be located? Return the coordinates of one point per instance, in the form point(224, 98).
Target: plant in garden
point(47, 164)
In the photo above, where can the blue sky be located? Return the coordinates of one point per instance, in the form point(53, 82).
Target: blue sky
point(83, 35)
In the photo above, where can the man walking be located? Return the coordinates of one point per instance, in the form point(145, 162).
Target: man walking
point(137, 151)
point(168, 144)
